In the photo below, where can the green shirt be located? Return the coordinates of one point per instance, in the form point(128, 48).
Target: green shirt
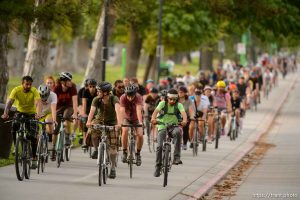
point(168, 118)
point(105, 113)
point(25, 102)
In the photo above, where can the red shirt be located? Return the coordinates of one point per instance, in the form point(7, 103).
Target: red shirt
point(65, 98)
point(130, 106)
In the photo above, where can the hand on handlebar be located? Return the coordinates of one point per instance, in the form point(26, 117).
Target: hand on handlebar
point(153, 121)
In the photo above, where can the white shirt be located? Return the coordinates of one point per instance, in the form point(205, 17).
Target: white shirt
point(46, 106)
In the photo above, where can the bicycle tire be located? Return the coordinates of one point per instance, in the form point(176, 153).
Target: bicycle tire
point(105, 168)
point(204, 142)
point(59, 154)
point(154, 143)
point(27, 160)
point(217, 136)
point(166, 164)
point(131, 150)
point(100, 165)
point(39, 155)
point(45, 155)
point(19, 165)
point(195, 143)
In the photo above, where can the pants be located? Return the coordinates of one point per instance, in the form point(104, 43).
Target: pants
point(186, 133)
point(161, 137)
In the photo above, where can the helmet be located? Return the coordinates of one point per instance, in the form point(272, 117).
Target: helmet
point(104, 86)
point(232, 87)
point(163, 93)
point(44, 91)
point(130, 90)
point(221, 84)
point(153, 90)
point(65, 76)
point(91, 81)
point(86, 82)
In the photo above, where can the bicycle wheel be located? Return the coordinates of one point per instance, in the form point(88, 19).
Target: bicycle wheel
point(19, 159)
point(39, 154)
point(131, 151)
point(154, 142)
point(105, 167)
point(204, 141)
point(27, 159)
point(100, 165)
point(59, 156)
point(44, 154)
point(166, 164)
point(195, 143)
point(217, 135)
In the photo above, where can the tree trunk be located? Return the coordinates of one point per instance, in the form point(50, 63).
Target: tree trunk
point(206, 58)
point(150, 63)
point(16, 55)
point(133, 52)
point(3, 59)
point(36, 57)
point(94, 64)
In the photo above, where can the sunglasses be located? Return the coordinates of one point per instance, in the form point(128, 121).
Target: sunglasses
point(92, 86)
point(121, 87)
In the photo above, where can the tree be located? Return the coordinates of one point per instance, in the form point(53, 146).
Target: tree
point(3, 59)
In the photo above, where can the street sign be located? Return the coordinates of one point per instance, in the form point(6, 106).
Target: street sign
point(241, 48)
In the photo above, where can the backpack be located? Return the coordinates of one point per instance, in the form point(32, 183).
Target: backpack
point(164, 111)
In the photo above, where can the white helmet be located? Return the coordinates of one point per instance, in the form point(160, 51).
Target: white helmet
point(44, 91)
point(65, 76)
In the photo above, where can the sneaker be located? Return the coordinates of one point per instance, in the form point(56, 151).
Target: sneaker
point(177, 161)
point(124, 157)
point(191, 145)
point(73, 136)
point(95, 155)
point(33, 164)
point(53, 155)
point(112, 174)
point(157, 172)
point(184, 147)
point(84, 146)
point(138, 159)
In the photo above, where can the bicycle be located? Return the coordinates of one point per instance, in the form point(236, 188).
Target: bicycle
point(217, 127)
point(60, 147)
point(233, 132)
point(166, 148)
point(195, 142)
point(23, 151)
point(131, 145)
point(42, 148)
point(103, 160)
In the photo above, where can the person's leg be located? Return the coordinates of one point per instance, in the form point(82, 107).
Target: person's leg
point(161, 135)
point(139, 145)
point(177, 150)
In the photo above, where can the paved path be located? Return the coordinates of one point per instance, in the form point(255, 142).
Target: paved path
point(77, 179)
point(277, 175)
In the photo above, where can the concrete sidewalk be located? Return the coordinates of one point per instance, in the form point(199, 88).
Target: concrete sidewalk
point(255, 124)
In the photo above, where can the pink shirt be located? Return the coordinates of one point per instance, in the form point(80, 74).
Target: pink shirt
point(220, 100)
point(130, 106)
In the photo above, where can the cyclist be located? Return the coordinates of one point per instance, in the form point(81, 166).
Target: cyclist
point(210, 118)
point(169, 109)
point(67, 102)
point(267, 80)
point(87, 98)
point(151, 102)
point(222, 102)
point(188, 107)
point(118, 89)
point(236, 103)
point(49, 101)
point(49, 80)
point(104, 110)
point(131, 113)
point(28, 102)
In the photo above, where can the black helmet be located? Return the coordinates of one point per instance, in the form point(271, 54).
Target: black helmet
point(130, 90)
point(104, 86)
point(44, 91)
point(86, 82)
point(63, 76)
point(163, 93)
point(91, 81)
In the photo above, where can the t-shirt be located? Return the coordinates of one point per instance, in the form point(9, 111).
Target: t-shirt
point(65, 98)
point(168, 118)
point(186, 104)
point(242, 89)
point(221, 99)
point(152, 103)
point(80, 95)
point(106, 112)
point(25, 102)
point(130, 106)
point(236, 103)
point(46, 106)
point(89, 98)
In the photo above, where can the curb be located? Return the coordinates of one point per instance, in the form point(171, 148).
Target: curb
point(250, 144)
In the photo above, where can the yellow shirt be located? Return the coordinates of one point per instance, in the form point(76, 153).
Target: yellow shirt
point(25, 102)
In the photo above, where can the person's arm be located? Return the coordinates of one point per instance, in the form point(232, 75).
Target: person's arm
point(153, 117)
point(8, 106)
point(53, 112)
point(146, 112)
point(184, 118)
point(117, 109)
point(75, 106)
point(91, 115)
point(139, 113)
point(122, 114)
point(83, 107)
point(38, 103)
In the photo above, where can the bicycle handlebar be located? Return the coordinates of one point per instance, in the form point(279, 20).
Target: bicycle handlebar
point(132, 125)
point(102, 127)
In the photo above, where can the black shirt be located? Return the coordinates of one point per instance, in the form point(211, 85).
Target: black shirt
point(236, 103)
point(80, 95)
point(89, 99)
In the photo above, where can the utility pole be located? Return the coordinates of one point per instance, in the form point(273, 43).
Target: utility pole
point(104, 52)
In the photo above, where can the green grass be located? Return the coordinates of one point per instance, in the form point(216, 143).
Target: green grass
point(9, 161)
